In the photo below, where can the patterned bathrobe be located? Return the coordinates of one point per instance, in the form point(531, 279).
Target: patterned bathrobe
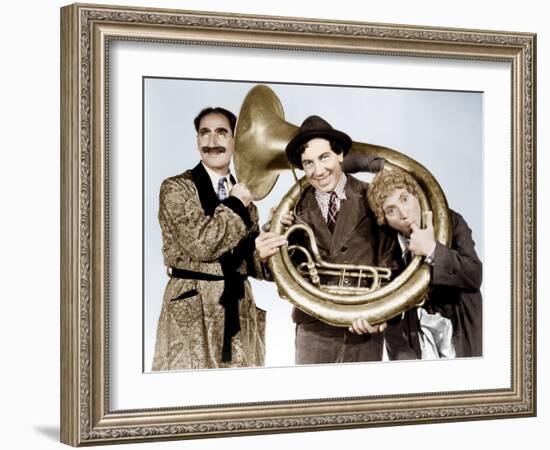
point(204, 236)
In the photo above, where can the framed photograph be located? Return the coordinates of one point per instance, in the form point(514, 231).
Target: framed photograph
point(459, 102)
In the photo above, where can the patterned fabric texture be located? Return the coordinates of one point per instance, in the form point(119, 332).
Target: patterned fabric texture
point(222, 192)
point(332, 212)
point(190, 329)
point(323, 198)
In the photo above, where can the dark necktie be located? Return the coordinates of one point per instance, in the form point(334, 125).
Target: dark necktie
point(407, 257)
point(222, 192)
point(332, 212)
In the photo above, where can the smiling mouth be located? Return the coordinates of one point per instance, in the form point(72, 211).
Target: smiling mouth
point(324, 180)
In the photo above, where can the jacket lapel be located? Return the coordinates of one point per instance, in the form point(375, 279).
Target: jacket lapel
point(352, 213)
point(207, 195)
point(311, 214)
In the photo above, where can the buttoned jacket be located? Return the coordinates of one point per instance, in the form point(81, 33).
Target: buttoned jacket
point(357, 239)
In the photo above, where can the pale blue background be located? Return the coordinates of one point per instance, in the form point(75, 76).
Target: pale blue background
point(440, 129)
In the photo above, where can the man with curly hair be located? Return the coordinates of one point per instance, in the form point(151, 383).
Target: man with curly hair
point(449, 324)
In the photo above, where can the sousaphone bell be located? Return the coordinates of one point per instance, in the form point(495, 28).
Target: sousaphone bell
point(260, 140)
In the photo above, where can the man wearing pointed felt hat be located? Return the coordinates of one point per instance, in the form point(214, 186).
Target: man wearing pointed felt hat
point(335, 206)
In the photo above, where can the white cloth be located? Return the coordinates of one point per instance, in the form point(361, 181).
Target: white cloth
point(436, 335)
point(436, 331)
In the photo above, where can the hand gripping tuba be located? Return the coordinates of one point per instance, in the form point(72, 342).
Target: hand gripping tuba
point(260, 140)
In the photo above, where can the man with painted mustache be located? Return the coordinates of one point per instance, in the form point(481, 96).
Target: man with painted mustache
point(209, 318)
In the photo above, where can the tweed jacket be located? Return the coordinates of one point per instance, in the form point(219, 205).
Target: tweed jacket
point(197, 231)
point(454, 293)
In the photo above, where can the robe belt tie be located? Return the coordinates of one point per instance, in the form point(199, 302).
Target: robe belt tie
point(233, 291)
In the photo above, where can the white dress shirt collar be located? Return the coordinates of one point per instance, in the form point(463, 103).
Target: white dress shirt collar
point(214, 178)
point(323, 198)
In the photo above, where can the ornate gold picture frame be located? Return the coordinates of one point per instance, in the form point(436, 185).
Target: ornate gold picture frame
point(87, 34)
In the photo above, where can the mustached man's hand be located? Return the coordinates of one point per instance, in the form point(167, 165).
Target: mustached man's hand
point(242, 193)
point(268, 243)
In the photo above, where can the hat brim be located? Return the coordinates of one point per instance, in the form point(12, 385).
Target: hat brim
point(303, 137)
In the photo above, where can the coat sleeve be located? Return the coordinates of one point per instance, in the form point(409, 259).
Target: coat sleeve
point(256, 268)
point(458, 266)
point(204, 238)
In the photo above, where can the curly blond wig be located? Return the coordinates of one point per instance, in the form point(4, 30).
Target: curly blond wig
point(383, 185)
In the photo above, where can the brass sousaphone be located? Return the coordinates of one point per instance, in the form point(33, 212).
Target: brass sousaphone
point(260, 141)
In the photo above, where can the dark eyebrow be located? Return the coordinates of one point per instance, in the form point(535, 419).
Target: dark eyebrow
point(222, 129)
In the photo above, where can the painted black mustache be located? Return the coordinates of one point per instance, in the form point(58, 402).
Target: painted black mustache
point(218, 149)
